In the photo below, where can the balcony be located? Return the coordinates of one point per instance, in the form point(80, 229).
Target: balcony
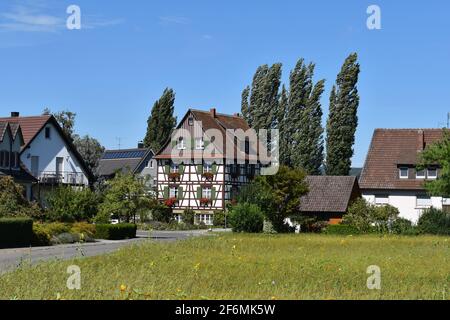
point(69, 178)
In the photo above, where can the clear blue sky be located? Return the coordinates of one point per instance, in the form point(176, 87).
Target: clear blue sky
point(127, 52)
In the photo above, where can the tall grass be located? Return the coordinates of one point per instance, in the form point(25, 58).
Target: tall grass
point(232, 266)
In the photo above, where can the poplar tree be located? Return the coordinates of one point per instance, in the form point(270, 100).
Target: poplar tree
point(342, 119)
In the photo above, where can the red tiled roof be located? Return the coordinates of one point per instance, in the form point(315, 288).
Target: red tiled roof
point(30, 126)
point(329, 194)
point(391, 148)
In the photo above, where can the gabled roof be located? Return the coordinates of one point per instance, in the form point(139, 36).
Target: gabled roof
point(329, 194)
point(33, 125)
point(14, 130)
point(124, 160)
point(390, 149)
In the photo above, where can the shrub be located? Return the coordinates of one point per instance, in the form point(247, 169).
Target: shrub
point(247, 217)
point(13, 202)
point(188, 216)
point(403, 226)
point(434, 221)
point(67, 204)
point(162, 213)
point(115, 231)
point(41, 237)
point(84, 228)
point(55, 228)
point(66, 238)
point(341, 229)
point(219, 218)
point(15, 232)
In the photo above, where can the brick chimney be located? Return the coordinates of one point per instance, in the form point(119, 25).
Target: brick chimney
point(213, 112)
point(420, 140)
point(15, 114)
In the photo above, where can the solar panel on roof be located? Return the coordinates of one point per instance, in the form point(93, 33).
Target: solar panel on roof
point(124, 154)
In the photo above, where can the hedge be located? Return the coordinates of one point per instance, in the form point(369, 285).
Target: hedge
point(15, 232)
point(115, 231)
point(341, 229)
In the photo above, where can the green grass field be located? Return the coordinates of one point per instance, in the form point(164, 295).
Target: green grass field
point(234, 266)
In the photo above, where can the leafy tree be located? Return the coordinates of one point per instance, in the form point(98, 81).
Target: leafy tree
point(245, 108)
point(13, 202)
point(282, 125)
point(277, 195)
point(304, 119)
point(434, 221)
point(438, 153)
point(91, 151)
point(66, 120)
point(161, 121)
point(342, 119)
point(67, 204)
point(125, 196)
point(247, 217)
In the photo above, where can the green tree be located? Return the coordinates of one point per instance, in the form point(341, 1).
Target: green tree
point(282, 125)
point(13, 202)
point(342, 119)
point(161, 121)
point(90, 150)
point(125, 196)
point(304, 120)
point(245, 108)
point(438, 153)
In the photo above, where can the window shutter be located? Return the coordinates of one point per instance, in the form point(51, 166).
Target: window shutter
point(213, 193)
point(200, 169)
point(181, 168)
point(214, 168)
point(166, 169)
point(166, 192)
point(180, 193)
point(199, 192)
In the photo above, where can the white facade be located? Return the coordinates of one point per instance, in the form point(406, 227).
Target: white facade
point(49, 159)
point(410, 204)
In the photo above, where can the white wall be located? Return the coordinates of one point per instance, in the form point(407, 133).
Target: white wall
point(404, 201)
point(48, 150)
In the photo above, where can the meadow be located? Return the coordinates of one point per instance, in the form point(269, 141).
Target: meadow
point(243, 266)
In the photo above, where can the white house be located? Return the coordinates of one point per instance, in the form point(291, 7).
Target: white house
point(48, 154)
point(191, 176)
point(390, 176)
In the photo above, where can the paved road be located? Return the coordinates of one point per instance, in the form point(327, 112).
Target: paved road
point(12, 258)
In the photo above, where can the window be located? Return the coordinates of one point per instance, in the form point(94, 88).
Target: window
point(206, 219)
point(6, 160)
point(199, 144)
point(432, 173)
point(207, 167)
point(206, 193)
point(173, 192)
point(181, 144)
point(190, 121)
point(174, 168)
point(381, 200)
point(404, 173)
point(178, 218)
point(152, 164)
point(47, 133)
point(423, 202)
point(420, 174)
point(2, 159)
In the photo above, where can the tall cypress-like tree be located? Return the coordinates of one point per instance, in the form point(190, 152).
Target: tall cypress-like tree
point(245, 108)
point(281, 118)
point(161, 121)
point(304, 119)
point(342, 119)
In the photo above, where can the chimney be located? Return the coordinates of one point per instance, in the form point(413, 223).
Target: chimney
point(213, 112)
point(140, 145)
point(15, 114)
point(420, 141)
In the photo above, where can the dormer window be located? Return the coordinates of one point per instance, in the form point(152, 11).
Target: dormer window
point(420, 174)
point(404, 173)
point(432, 173)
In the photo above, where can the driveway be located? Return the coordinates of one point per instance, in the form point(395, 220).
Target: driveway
point(12, 258)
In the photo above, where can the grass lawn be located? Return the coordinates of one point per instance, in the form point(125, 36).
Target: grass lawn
point(235, 266)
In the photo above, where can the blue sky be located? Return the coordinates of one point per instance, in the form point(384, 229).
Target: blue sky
point(112, 70)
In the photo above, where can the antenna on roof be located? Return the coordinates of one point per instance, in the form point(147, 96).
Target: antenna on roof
point(119, 140)
point(448, 120)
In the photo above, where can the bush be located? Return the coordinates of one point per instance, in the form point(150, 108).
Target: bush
point(434, 221)
point(404, 227)
point(66, 238)
point(188, 216)
point(67, 204)
point(162, 213)
point(41, 237)
point(115, 231)
point(219, 218)
point(13, 202)
point(247, 217)
point(84, 228)
point(15, 232)
point(341, 229)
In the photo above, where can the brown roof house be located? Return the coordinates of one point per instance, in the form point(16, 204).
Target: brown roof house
point(329, 197)
point(48, 154)
point(203, 164)
point(390, 176)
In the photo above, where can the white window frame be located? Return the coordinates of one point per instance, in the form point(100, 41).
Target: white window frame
point(206, 218)
point(423, 176)
point(199, 144)
point(384, 200)
point(400, 172)
point(173, 192)
point(181, 145)
point(207, 167)
point(206, 193)
point(428, 204)
point(174, 168)
point(432, 177)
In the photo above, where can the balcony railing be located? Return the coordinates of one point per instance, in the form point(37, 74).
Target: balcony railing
point(70, 178)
